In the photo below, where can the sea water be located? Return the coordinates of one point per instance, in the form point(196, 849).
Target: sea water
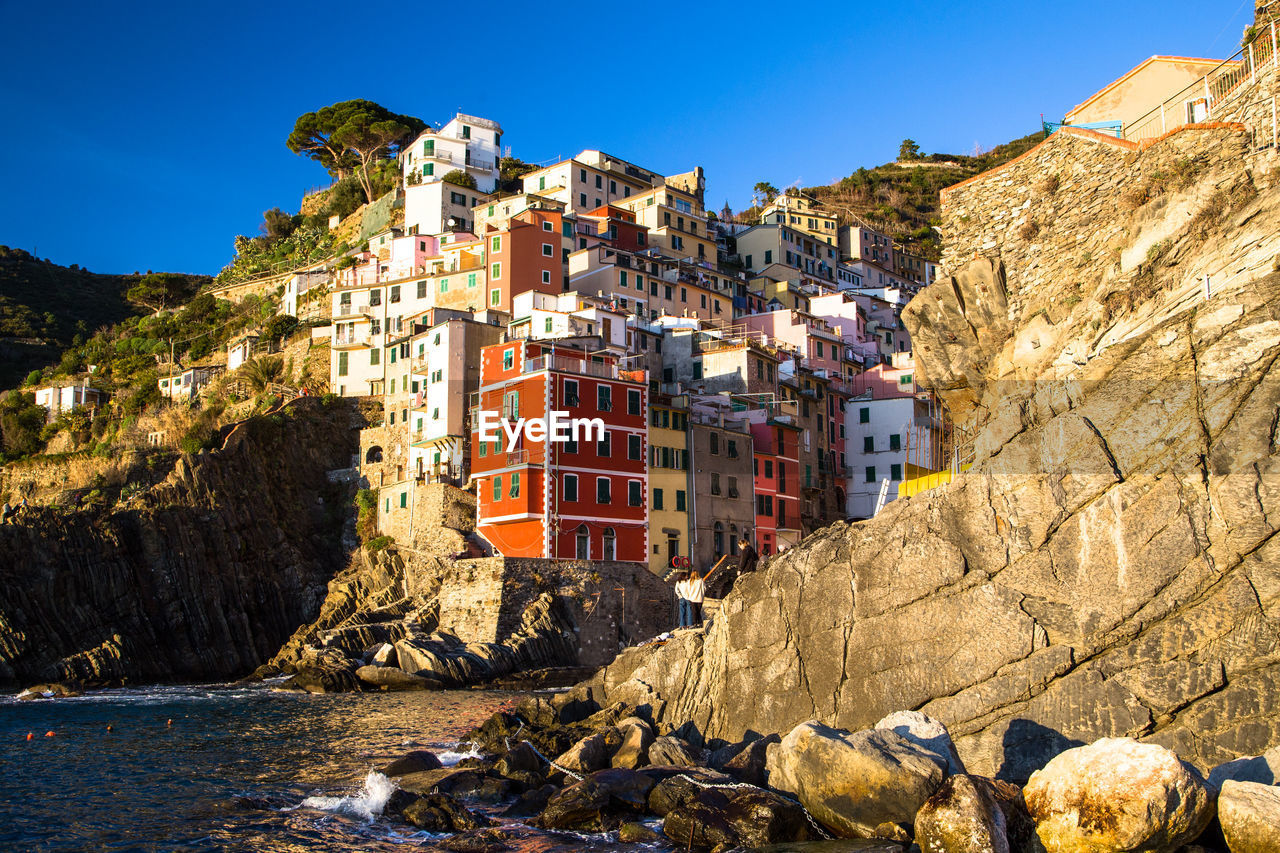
point(218, 767)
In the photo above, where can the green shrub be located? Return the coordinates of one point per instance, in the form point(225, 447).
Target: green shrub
point(378, 543)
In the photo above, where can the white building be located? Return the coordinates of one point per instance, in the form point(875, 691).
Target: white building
point(546, 316)
point(892, 433)
point(63, 398)
point(188, 384)
point(292, 301)
point(467, 143)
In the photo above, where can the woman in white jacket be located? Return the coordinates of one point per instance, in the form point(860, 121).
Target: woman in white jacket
point(691, 592)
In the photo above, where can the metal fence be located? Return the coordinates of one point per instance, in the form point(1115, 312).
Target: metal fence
point(1205, 99)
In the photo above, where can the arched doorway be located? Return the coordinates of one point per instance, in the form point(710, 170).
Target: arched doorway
point(373, 455)
point(610, 544)
point(583, 543)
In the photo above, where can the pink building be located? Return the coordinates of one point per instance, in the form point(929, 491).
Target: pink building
point(820, 344)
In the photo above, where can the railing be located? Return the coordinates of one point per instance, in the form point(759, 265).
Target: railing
point(1202, 100)
point(442, 156)
point(356, 340)
point(561, 364)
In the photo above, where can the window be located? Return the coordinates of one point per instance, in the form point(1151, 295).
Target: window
point(871, 473)
point(895, 472)
point(733, 487)
point(495, 296)
point(768, 468)
point(496, 243)
point(864, 415)
point(495, 271)
point(582, 201)
point(610, 541)
point(547, 251)
point(395, 293)
point(570, 488)
point(604, 447)
point(868, 444)
point(511, 405)
point(547, 226)
point(508, 359)
point(570, 388)
point(342, 363)
point(904, 379)
point(582, 175)
point(633, 402)
point(582, 542)
point(497, 488)
point(768, 256)
point(484, 448)
point(404, 499)
point(429, 169)
point(602, 490)
point(635, 494)
point(657, 498)
point(604, 398)
point(546, 276)
point(375, 355)
point(733, 449)
point(569, 445)
point(444, 285)
point(634, 448)
point(715, 483)
point(680, 500)
point(515, 486)
point(599, 182)
point(895, 441)
point(714, 439)
point(422, 290)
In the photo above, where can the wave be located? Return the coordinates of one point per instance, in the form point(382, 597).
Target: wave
point(450, 757)
point(367, 804)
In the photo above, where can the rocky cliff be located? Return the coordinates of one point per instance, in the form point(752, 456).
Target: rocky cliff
point(1107, 566)
point(201, 577)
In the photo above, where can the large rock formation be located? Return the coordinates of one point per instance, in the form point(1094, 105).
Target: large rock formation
point(1107, 566)
point(199, 578)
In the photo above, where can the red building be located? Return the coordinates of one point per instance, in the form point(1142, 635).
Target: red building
point(776, 471)
point(583, 499)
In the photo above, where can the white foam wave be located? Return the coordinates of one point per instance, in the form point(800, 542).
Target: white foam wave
point(367, 804)
point(450, 757)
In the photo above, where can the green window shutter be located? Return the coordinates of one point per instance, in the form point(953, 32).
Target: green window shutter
point(497, 488)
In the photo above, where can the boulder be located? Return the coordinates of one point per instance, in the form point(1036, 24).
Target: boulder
point(925, 732)
point(1263, 769)
point(681, 785)
point(589, 805)
point(531, 802)
point(586, 756)
point(637, 736)
point(1250, 816)
point(867, 784)
point(385, 655)
point(626, 787)
point(637, 833)
point(962, 817)
point(434, 812)
point(671, 750)
point(323, 678)
point(519, 759)
point(394, 678)
point(736, 817)
point(1117, 794)
point(446, 780)
point(422, 661)
point(418, 761)
point(749, 764)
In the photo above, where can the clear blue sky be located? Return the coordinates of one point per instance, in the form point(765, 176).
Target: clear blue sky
point(146, 135)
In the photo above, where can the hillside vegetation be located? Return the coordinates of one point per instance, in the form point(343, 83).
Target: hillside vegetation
point(46, 309)
point(901, 199)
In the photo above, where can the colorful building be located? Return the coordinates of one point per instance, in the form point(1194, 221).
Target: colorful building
point(579, 499)
point(776, 469)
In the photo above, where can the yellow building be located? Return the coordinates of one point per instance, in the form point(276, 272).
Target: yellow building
point(1143, 88)
point(669, 491)
point(802, 214)
point(676, 221)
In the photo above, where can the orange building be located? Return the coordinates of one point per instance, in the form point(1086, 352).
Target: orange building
point(584, 499)
point(524, 253)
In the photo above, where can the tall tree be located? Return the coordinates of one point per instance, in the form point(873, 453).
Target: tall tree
point(908, 150)
point(161, 290)
point(765, 192)
point(318, 134)
point(368, 138)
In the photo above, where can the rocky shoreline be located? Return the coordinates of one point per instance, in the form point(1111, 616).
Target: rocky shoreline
point(559, 763)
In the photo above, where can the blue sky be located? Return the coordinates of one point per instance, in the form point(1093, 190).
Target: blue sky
point(146, 135)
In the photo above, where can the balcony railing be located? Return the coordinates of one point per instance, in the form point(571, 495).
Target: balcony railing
point(442, 156)
point(560, 364)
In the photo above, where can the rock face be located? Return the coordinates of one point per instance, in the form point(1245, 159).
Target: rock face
point(200, 578)
point(861, 784)
point(1117, 794)
point(1250, 817)
point(1108, 566)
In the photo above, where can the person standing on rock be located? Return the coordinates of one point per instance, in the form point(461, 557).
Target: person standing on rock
point(691, 592)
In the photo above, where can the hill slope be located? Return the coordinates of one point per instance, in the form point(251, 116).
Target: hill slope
point(44, 306)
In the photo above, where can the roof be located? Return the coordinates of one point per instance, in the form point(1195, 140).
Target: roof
point(1208, 63)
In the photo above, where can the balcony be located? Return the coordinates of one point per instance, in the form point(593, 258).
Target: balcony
point(560, 364)
point(351, 341)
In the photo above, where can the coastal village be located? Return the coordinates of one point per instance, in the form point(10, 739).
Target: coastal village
point(755, 380)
